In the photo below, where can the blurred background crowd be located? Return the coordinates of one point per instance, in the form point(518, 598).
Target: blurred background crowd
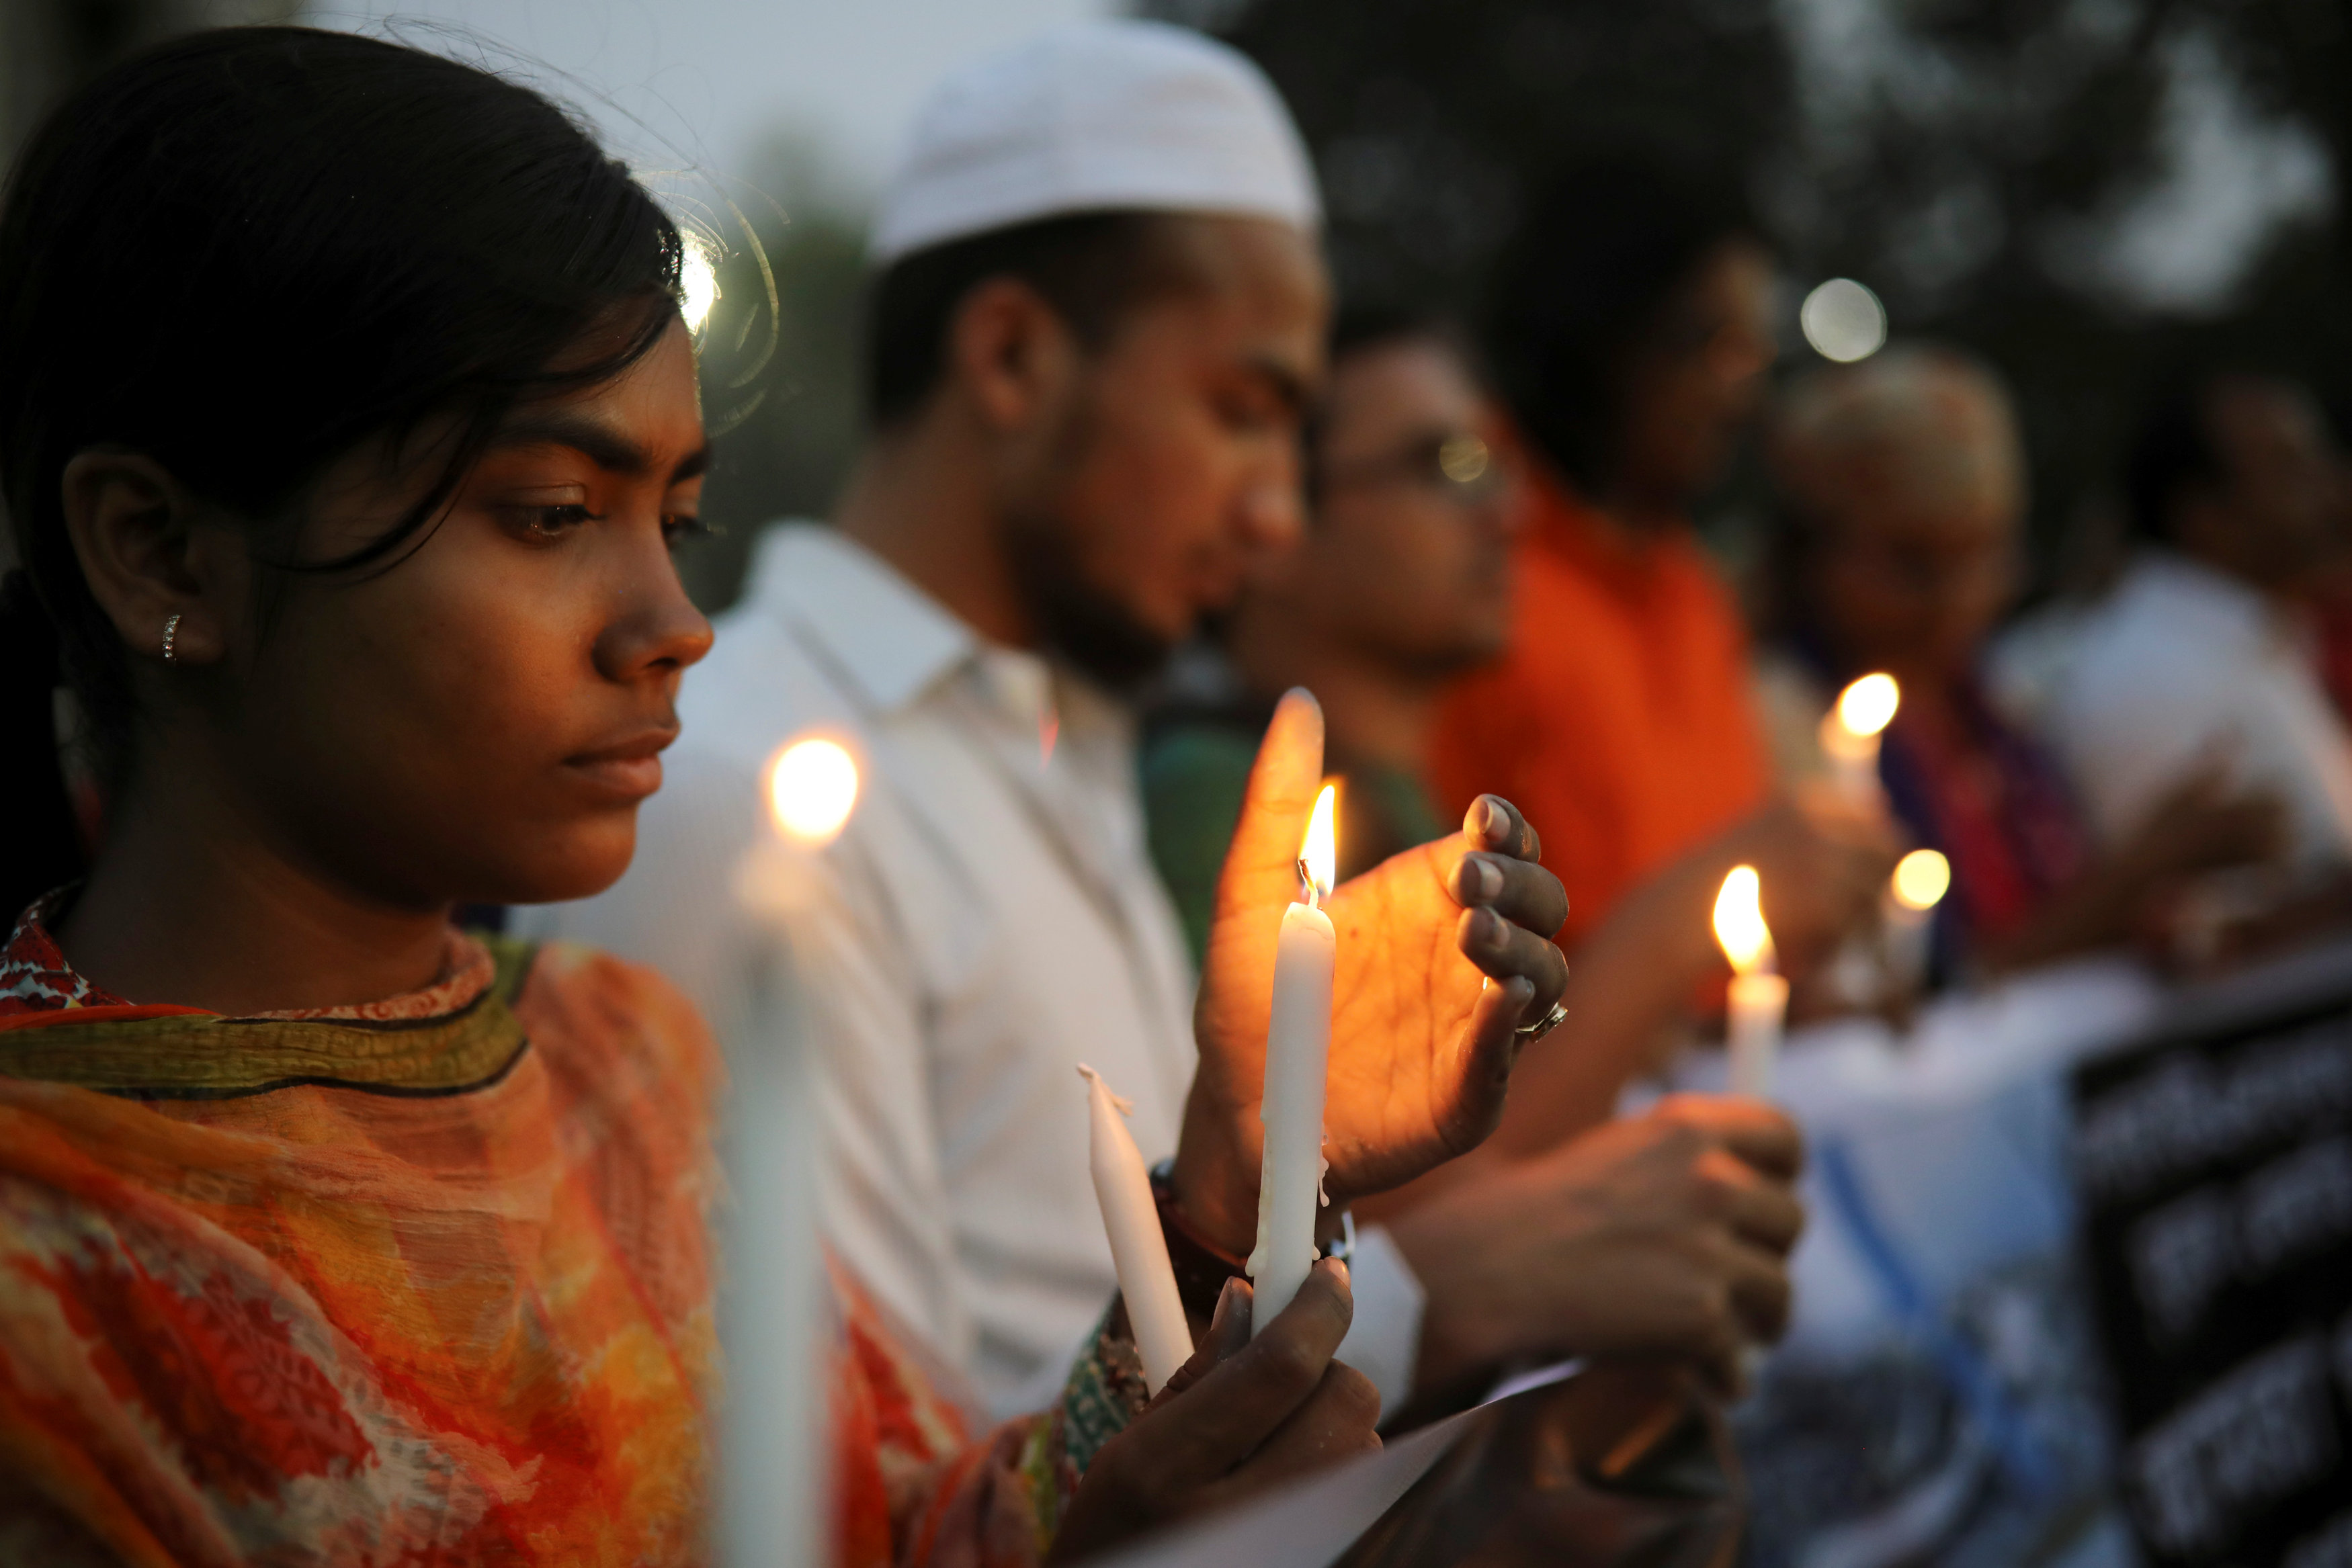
point(2087, 195)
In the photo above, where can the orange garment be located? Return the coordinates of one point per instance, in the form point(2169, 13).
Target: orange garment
point(423, 1281)
point(1620, 720)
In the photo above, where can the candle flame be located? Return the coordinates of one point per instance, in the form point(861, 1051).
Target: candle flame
point(811, 788)
point(1868, 706)
point(1318, 857)
point(1921, 879)
point(1740, 926)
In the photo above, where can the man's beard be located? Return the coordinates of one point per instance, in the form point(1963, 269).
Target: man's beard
point(1073, 618)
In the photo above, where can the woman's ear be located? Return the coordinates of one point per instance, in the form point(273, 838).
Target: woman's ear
point(160, 577)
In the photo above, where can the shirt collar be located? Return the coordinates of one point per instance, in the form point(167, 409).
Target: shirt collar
point(887, 637)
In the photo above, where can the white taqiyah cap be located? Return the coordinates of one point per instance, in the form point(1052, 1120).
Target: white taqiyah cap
point(1094, 115)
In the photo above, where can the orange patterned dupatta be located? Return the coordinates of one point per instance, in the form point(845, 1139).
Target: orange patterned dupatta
point(421, 1281)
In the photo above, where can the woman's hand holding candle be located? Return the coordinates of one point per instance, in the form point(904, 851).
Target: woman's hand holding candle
point(1422, 1046)
point(1243, 1416)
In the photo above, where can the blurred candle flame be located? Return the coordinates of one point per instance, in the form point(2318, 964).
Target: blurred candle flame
point(811, 790)
point(1318, 857)
point(1740, 926)
point(1868, 706)
point(1921, 879)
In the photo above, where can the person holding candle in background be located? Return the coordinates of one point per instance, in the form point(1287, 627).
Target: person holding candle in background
point(1629, 330)
point(1401, 582)
point(1902, 480)
point(1615, 1244)
point(2202, 660)
point(1095, 328)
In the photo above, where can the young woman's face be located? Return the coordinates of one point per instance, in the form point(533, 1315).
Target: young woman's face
point(481, 721)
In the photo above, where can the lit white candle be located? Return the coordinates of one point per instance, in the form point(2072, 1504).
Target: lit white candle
point(1297, 1051)
point(1760, 997)
point(1138, 1248)
point(1920, 881)
point(772, 1313)
point(1850, 733)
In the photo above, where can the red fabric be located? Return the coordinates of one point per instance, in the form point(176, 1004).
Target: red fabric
point(1992, 800)
point(2000, 894)
point(1621, 719)
point(2332, 616)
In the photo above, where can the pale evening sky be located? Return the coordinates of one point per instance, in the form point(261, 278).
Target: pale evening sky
point(712, 79)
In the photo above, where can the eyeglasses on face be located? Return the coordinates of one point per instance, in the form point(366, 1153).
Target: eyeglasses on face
point(1458, 465)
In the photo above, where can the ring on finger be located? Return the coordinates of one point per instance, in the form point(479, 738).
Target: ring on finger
point(1544, 1025)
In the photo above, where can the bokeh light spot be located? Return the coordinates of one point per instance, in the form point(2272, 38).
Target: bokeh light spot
point(811, 788)
point(1868, 706)
point(1844, 321)
point(1921, 879)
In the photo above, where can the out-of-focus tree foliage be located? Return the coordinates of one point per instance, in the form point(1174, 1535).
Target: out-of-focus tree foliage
point(1977, 161)
point(1430, 119)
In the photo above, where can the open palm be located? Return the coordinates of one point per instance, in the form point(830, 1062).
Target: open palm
point(1422, 1046)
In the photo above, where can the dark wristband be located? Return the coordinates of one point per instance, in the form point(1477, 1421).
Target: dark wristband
point(1202, 1266)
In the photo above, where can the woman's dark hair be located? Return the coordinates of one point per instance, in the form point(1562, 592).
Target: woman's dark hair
point(1581, 283)
point(246, 252)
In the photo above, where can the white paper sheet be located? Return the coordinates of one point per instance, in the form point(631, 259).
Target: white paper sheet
point(1309, 1525)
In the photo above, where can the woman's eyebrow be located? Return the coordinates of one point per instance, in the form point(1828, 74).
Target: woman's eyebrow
point(600, 443)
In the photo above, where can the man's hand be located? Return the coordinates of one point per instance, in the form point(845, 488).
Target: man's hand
point(1421, 1045)
point(1660, 1235)
point(2204, 824)
point(1241, 1416)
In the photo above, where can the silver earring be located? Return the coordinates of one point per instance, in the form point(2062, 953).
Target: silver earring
point(171, 635)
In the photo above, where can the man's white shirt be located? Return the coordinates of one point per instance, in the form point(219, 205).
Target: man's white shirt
point(2180, 663)
point(988, 920)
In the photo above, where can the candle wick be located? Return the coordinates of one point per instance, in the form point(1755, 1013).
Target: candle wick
point(1311, 889)
point(1120, 1102)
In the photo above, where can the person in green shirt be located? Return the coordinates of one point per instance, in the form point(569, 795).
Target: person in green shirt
point(1401, 582)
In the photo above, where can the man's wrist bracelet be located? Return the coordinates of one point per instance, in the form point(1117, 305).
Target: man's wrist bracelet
point(1202, 1266)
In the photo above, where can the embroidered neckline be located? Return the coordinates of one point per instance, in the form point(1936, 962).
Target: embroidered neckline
point(457, 1034)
